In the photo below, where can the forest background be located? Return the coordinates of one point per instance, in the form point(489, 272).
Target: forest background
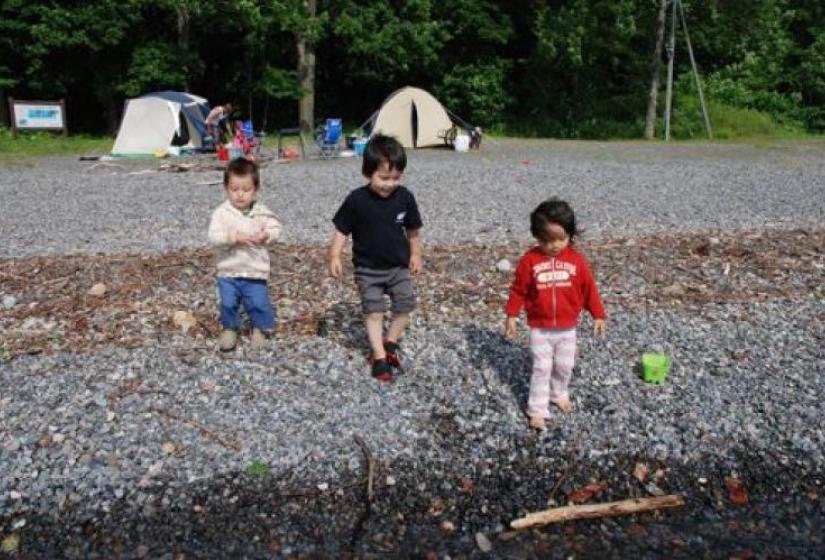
point(565, 69)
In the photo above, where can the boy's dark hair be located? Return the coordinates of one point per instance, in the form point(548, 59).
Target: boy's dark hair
point(242, 167)
point(552, 211)
point(383, 148)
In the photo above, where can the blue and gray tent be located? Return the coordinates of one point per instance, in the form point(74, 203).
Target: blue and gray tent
point(156, 121)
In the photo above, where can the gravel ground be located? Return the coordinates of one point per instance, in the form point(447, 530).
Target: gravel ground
point(173, 451)
point(61, 206)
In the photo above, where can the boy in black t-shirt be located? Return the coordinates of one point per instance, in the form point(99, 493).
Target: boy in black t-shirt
point(384, 222)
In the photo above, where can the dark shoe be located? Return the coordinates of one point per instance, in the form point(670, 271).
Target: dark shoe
point(393, 351)
point(382, 371)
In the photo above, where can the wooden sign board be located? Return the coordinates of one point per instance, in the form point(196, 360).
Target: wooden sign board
point(37, 115)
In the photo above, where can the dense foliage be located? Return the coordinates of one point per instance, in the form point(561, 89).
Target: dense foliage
point(571, 68)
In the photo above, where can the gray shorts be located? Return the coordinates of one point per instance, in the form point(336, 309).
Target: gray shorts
point(373, 283)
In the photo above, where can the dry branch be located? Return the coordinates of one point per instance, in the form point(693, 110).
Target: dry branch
point(591, 511)
point(370, 465)
point(209, 434)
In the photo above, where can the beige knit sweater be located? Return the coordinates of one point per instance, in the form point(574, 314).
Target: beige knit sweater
point(241, 261)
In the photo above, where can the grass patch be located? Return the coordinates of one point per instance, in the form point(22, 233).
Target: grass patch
point(731, 123)
point(258, 469)
point(41, 143)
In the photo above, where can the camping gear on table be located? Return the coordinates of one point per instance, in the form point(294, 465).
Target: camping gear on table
point(655, 367)
point(157, 121)
point(282, 152)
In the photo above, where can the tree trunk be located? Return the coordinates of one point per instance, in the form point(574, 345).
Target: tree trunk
point(184, 17)
point(306, 73)
point(655, 70)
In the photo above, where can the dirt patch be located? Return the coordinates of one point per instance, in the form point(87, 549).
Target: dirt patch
point(54, 309)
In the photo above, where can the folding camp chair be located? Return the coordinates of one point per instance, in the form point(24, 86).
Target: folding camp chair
point(254, 140)
point(328, 138)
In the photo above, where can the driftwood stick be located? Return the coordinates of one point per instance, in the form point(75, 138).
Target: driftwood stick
point(206, 432)
point(370, 464)
point(591, 511)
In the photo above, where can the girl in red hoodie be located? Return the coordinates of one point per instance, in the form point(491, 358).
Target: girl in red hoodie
point(553, 283)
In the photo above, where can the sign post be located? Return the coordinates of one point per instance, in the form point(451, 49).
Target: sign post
point(37, 115)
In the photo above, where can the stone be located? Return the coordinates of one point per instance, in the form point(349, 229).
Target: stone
point(184, 320)
point(9, 301)
point(504, 265)
point(483, 542)
point(447, 527)
point(654, 490)
point(98, 290)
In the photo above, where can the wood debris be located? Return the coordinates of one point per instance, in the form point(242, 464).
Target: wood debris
point(591, 511)
point(54, 312)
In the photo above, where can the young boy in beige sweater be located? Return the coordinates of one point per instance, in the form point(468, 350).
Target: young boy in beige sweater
point(239, 230)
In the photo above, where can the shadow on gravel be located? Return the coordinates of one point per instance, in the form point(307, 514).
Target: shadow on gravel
point(508, 359)
point(344, 322)
point(439, 508)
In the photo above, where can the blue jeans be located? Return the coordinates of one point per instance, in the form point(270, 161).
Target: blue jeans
point(255, 298)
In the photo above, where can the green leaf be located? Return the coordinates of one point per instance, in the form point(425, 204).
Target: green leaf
point(258, 469)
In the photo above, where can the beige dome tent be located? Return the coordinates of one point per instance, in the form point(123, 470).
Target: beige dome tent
point(414, 117)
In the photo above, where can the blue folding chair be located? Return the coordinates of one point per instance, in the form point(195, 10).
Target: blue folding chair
point(328, 137)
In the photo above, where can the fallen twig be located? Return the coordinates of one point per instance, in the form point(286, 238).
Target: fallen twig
point(104, 164)
point(591, 511)
point(370, 465)
point(209, 434)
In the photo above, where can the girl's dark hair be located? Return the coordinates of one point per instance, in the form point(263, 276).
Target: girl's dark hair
point(242, 167)
point(383, 148)
point(552, 211)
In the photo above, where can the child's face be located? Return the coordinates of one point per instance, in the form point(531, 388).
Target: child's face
point(384, 180)
point(241, 191)
point(554, 240)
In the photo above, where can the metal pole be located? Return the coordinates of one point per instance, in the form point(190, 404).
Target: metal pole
point(671, 56)
point(695, 71)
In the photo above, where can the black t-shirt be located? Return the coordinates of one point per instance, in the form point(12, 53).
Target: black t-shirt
point(378, 226)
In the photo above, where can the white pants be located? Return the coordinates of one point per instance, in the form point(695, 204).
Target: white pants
point(554, 355)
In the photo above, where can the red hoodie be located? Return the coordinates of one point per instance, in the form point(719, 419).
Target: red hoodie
point(554, 290)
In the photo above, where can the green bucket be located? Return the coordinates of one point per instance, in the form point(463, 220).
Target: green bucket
point(655, 367)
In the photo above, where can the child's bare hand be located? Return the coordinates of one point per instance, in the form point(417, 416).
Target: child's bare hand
point(262, 237)
point(252, 239)
point(245, 239)
point(334, 267)
point(416, 265)
point(599, 327)
point(510, 327)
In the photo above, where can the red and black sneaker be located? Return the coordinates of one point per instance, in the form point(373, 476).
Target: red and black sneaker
point(382, 371)
point(393, 351)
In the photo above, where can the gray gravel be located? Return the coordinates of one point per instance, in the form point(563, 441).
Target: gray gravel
point(150, 429)
point(61, 206)
point(308, 396)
